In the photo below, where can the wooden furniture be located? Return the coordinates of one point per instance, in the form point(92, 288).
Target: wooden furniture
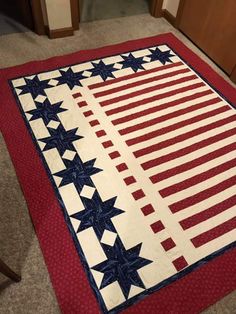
point(211, 25)
point(5, 270)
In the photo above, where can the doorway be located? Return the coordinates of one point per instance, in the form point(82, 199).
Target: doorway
point(91, 10)
point(15, 16)
point(21, 16)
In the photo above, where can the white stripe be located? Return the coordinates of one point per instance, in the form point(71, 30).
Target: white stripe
point(151, 104)
point(185, 143)
point(216, 244)
point(159, 113)
point(191, 156)
point(211, 223)
point(205, 204)
point(178, 119)
point(195, 171)
point(154, 93)
point(144, 86)
point(211, 88)
point(192, 190)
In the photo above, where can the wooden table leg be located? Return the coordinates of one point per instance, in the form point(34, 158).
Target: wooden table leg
point(8, 272)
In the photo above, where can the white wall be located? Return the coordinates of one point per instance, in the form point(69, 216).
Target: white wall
point(171, 6)
point(58, 13)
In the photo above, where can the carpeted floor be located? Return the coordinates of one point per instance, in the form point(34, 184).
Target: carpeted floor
point(18, 243)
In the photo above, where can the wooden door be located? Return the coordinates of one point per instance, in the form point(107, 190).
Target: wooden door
point(211, 24)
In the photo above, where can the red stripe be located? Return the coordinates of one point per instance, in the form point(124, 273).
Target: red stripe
point(88, 113)
point(82, 104)
point(76, 95)
point(180, 186)
point(107, 144)
point(180, 263)
point(114, 154)
point(101, 133)
point(193, 163)
point(186, 150)
point(148, 111)
point(203, 195)
point(141, 82)
point(174, 114)
point(208, 213)
point(147, 90)
point(185, 136)
point(133, 75)
point(138, 194)
point(129, 180)
point(168, 244)
point(157, 226)
point(94, 122)
point(147, 209)
point(214, 233)
point(153, 98)
point(121, 167)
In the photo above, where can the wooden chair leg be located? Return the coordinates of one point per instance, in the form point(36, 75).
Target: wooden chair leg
point(8, 272)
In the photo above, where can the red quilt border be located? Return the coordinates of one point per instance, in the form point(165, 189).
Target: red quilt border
point(207, 284)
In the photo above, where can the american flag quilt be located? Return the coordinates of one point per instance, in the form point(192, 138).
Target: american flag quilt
point(140, 151)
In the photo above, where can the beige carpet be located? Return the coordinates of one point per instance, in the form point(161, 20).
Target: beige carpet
point(18, 242)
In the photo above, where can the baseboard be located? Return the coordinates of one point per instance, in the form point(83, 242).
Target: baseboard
point(60, 32)
point(169, 17)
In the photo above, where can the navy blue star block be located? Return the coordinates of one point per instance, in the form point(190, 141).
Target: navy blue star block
point(162, 56)
point(46, 111)
point(60, 139)
point(131, 62)
point(102, 69)
point(97, 214)
point(70, 78)
point(122, 265)
point(78, 172)
point(35, 87)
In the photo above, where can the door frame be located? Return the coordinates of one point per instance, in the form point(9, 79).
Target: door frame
point(156, 8)
point(75, 13)
point(37, 14)
point(179, 13)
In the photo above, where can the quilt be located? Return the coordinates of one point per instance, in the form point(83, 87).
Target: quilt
point(126, 156)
